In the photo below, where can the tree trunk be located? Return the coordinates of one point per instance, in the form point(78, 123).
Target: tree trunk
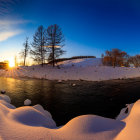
point(53, 56)
point(24, 61)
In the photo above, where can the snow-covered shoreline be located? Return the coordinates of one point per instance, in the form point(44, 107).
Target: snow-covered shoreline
point(33, 122)
point(90, 69)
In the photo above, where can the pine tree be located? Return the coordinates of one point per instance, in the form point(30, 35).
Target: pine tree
point(55, 39)
point(38, 51)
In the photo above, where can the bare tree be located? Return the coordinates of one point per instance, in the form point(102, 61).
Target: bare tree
point(25, 51)
point(115, 57)
point(135, 60)
point(38, 51)
point(55, 39)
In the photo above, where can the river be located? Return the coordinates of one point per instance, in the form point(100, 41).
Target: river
point(66, 101)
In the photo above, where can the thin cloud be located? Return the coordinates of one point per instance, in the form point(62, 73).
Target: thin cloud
point(7, 34)
point(12, 22)
point(10, 28)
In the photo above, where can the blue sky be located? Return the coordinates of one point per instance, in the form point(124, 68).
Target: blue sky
point(90, 26)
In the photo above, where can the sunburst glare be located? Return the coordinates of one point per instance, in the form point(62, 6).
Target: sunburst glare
point(11, 62)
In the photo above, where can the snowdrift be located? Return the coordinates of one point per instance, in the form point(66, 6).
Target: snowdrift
point(35, 123)
point(82, 62)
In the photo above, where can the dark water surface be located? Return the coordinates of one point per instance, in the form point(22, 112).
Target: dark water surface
point(64, 101)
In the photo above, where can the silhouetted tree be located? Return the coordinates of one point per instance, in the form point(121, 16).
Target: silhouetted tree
point(38, 51)
point(55, 39)
point(25, 51)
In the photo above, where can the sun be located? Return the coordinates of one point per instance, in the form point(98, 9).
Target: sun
point(11, 63)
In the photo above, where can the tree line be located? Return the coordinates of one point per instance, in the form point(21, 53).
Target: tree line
point(116, 57)
point(71, 58)
point(46, 46)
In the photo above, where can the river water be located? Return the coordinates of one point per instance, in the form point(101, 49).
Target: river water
point(66, 101)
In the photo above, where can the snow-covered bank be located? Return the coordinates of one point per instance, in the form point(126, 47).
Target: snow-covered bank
point(90, 69)
point(33, 122)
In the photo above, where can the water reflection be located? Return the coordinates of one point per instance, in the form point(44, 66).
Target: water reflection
point(49, 94)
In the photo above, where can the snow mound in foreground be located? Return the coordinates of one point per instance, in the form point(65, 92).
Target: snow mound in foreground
point(28, 123)
point(31, 116)
point(5, 98)
point(132, 129)
point(125, 112)
point(92, 126)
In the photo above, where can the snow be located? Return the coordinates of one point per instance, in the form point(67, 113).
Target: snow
point(33, 122)
point(27, 102)
point(73, 85)
point(125, 112)
point(90, 69)
point(31, 117)
point(82, 62)
point(59, 81)
point(5, 98)
point(131, 130)
point(92, 126)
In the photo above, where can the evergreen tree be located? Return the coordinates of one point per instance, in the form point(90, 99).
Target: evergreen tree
point(55, 39)
point(38, 51)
